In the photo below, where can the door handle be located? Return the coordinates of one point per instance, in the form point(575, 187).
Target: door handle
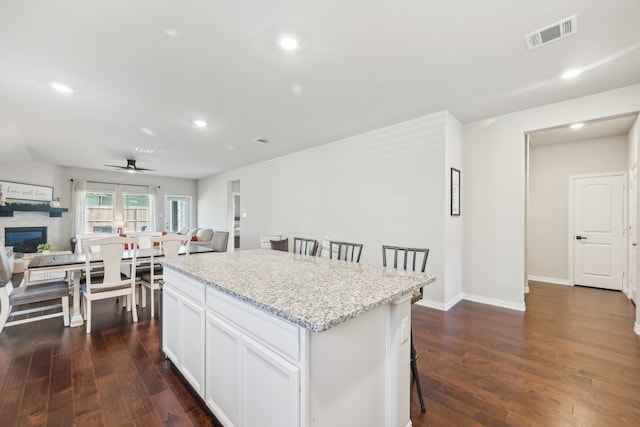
point(634, 244)
point(581, 238)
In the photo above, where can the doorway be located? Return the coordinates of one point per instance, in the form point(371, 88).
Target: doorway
point(553, 156)
point(177, 213)
point(233, 212)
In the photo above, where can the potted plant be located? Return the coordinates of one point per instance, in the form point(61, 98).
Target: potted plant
point(45, 248)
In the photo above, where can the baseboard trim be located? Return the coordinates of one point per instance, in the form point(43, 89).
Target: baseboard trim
point(551, 280)
point(474, 298)
point(432, 304)
point(495, 302)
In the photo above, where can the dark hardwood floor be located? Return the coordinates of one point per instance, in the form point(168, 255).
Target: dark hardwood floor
point(571, 360)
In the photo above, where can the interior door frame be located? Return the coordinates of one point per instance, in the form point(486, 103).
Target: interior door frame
point(625, 221)
point(633, 169)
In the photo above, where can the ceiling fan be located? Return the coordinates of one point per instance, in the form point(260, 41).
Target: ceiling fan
point(131, 167)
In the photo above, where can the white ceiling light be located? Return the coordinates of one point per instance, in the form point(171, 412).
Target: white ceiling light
point(144, 150)
point(571, 74)
point(200, 123)
point(147, 131)
point(288, 42)
point(171, 32)
point(61, 87)
point(576, 125)
point(297, 89)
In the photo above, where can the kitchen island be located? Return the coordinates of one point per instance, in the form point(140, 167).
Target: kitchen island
point(269, 338)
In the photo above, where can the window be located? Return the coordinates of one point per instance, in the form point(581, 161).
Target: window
point(136, 214)
point(99, 212)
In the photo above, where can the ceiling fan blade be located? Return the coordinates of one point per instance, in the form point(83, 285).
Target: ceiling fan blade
point(131, 167)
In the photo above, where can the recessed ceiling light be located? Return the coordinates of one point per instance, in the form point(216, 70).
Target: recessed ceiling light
point(576, 125)
point(200, 123)
point(261, 140)
point(571, 74)
point(288, 42)
point(144, 150)
point(171, 32)
point(61, 87)
point(147, 131)
point(297, 89)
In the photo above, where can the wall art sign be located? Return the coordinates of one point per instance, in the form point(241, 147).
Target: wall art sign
point(19, 191)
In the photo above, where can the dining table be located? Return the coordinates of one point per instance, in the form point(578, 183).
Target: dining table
point(71, 265)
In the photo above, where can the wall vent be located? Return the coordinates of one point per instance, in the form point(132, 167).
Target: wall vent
point(565, 28)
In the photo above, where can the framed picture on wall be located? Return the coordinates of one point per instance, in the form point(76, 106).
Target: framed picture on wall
point(455, 192)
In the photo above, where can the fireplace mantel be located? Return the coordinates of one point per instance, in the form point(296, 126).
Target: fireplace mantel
point(53, 212)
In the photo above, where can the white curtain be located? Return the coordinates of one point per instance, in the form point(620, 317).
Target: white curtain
point(79, 213)
point(153, 208)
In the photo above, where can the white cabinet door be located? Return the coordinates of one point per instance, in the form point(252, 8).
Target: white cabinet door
point(270, 388)
point(192, 324)
point(170, 324)
point(223, 370)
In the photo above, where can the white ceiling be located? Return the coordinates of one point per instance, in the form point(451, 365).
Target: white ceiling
point(362, 65)
point(610, 126)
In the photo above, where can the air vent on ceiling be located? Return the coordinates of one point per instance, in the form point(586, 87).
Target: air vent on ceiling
point(261, 140)
point(565, 28)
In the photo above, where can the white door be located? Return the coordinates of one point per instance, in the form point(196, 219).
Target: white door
point(599, 231)
point(177, 213)
point(633, 233)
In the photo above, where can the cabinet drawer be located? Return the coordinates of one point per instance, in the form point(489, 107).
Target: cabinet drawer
point(185, 285)
point(274, 333)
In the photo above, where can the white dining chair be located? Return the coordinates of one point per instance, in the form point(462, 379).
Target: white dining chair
point(112, 283)
point(169, 246)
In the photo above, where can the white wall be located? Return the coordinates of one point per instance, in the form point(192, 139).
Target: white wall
point(493, 199)
point(388, 186)
point(453, 224)
point(548, 222)
point(58, 177)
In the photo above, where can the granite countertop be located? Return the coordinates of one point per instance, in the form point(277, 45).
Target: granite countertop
point(315, 293)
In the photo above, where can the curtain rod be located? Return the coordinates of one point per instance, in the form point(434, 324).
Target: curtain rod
point(115, 183)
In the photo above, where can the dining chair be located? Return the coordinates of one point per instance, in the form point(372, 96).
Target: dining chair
point(345, 251)
point(220, 241)
point(265, 240)
point(411, 259)
point(170, 245)
point(113, 282)
point(304, 246)
point(19, 303)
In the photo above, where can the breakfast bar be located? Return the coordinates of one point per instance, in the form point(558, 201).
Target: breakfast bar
point(269, 338)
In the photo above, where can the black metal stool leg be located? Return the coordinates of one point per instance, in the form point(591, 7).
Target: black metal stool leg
point(414, 371)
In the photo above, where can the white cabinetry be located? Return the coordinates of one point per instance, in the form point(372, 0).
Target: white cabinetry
point(183, 329)
point(250, 383)
point(255, 369)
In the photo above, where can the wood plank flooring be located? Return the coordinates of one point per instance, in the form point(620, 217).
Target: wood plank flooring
point(571, 359)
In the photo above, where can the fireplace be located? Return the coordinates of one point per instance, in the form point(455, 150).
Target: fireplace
point(25, 239)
